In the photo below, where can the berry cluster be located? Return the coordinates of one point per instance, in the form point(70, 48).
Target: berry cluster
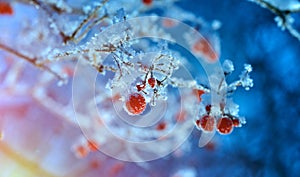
point(223, 123)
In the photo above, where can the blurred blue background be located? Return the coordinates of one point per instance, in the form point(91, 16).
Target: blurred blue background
point(269, 144)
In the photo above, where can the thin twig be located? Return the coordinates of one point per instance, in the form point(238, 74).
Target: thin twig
point(283, 15)
point(89, 17)
point(32, 61)
point(71, 37)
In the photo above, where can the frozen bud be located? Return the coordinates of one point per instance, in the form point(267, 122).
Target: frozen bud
point(87, 9)
point(247, 82)
point(216, 24)
point(279, 22)
point(248, 68)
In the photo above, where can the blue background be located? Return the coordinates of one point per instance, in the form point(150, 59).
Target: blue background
point(269, 144)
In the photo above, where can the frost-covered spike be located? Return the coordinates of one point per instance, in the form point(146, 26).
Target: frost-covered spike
point(279, 22)
point(242, 120)
point(248, 68)
point(245, 79)
point(228, 66)
point(232, 107)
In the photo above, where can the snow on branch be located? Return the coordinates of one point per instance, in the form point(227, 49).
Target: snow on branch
point(283, 11)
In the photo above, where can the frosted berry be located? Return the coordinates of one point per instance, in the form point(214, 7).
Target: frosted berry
point(135, 104)
point(140, 87)
point(152, 82)
point(208, 108)
point(225, 125)
point(5, 8)
point(206, 123)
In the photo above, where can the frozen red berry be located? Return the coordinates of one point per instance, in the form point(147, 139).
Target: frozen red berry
point(136, 104)
point(5, 8)
point(161, 126)
point(152, 82)
point(140, 87)
point(206, 123)
point(225, 125)
point(208, 108)
point(236, 122)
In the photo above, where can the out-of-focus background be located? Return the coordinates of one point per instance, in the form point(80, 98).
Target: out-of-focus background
point(37, 142)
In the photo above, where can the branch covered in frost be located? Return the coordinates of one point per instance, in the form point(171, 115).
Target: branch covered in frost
point(244, 81)
point(283, 14)
point(90, 20)
point(33, 61)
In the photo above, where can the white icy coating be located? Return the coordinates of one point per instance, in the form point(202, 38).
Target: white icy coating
point(285, 4)
point(245, 79)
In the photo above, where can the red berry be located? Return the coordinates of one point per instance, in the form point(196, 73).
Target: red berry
point(225, 125)
point(204, 47)
point(92, 145)
point(161, 126)
point(147, 2)
point(206, 123)
point(236, 122)
point(81, 151)
point(94, 164)
point(5, 8)
point(135, 104)
point(152, 82)
point(208, 108)
point(140, 87)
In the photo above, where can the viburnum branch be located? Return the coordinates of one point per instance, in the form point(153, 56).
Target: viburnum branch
point(66, 38)
point(88, 28)
point(284, 18)
point(33, 61)
point(87, 19)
